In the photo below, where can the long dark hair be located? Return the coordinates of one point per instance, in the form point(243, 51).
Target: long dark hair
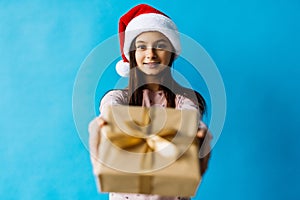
point(167, 84)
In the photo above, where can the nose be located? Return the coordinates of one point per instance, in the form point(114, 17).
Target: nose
point(151, 53)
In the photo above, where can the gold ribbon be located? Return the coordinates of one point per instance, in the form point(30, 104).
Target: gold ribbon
point(140, 133)
point(160, 143)
point(156, 143)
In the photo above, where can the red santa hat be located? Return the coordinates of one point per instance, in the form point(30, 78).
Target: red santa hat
point(143, 18)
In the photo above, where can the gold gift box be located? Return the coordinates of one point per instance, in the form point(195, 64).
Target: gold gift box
point(149, 151)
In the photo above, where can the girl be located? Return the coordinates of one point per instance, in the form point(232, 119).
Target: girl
point(149, 43)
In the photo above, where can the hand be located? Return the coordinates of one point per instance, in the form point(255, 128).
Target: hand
point(94, 140)
point(204, 138)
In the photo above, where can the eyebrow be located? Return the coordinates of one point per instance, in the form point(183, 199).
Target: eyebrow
point(160, 40)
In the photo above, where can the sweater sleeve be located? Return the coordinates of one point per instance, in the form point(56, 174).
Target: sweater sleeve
point(114, 97)
point(184, 103)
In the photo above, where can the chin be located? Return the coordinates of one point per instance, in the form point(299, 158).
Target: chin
point(153, 73)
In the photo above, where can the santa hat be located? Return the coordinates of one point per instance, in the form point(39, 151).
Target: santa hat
point(140, 19)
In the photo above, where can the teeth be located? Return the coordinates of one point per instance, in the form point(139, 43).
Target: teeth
point(151, 65)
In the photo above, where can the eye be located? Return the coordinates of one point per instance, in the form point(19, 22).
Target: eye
point(141, 47)
point(161, 46)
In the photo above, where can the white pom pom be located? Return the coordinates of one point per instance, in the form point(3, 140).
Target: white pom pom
point(122, 68)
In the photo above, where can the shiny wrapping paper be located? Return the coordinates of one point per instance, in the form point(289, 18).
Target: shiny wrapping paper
point(149, 151)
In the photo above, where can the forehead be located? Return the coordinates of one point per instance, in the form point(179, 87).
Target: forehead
point(151, 36)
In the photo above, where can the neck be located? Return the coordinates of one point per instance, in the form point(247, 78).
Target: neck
point(152, 82)
point(153, 87)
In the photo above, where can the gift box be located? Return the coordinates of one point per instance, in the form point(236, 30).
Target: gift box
point(149, 151)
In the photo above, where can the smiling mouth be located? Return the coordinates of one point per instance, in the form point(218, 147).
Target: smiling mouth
point(152, 64)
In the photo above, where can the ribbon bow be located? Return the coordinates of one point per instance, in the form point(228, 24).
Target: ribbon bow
point(144, 139)
point(160, 142)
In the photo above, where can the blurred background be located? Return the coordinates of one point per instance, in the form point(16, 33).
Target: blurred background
point(255, 44)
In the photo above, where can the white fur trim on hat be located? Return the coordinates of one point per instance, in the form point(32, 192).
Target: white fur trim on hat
point(122, 68)
point(151, 22)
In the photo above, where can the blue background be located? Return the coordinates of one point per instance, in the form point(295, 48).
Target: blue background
point(255, 45)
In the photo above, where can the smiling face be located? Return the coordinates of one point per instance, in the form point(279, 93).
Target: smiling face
point(153, 52)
